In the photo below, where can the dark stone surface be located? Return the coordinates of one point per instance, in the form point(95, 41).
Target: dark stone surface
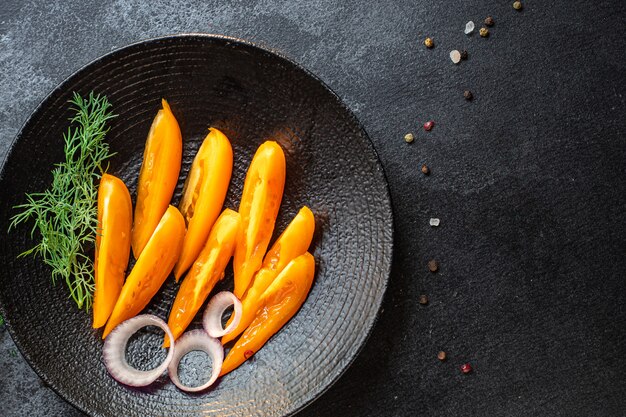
point(528, 179)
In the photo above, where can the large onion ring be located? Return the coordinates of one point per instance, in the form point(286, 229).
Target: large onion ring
point(212, 319)
point(114, 352)
point(197, 340)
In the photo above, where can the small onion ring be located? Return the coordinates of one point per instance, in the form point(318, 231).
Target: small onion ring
point(212, 319)
point(197, 340)
point(114, 352)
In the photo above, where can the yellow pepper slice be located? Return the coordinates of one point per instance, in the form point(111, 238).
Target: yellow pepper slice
point(115, 217)
point(207, 271)
point(158, 176)
point(151, 270)
point(293, 242)
point(203, 195)
point(260, 201)
point(280, 301)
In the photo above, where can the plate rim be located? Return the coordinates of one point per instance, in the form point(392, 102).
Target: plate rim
point(226, 40)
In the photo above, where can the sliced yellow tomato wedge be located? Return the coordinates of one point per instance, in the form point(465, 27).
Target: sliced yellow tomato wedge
point(203, 195)
point(206, 271)
point(293, 242)
point(158, 176)
point(260, 201)
point(151, 270)
point(115, 217)
point(279, 303)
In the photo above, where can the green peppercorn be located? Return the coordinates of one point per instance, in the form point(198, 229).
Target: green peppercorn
point(408, 138)
point(517, 5)
point(484, 32)
point(429, 43)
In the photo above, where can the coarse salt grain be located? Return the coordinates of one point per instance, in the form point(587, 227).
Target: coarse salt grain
point(434, 222)
point(455, 56)
point(469, 27)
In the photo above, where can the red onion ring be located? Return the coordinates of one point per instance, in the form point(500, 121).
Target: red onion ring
point(114, 352)
point(196, 340)
point(212, 319)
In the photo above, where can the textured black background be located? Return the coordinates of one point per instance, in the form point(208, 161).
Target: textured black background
point(529, 181)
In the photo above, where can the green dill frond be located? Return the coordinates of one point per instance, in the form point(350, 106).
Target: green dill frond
point(65, 216)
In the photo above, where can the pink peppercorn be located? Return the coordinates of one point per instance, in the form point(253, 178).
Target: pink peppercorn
point(466, 368)
point(429, 125)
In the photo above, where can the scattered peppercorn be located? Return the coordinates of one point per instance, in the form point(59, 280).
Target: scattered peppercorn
point(468, 95)
point(429, 42)
point(517, 5)
point(433, 265)
point(423, 300)
point(441, 356)
point(463, 54)
point(489, 21)
point(425, 169)
point(484, 32)
point(466, 368)
point(408, 138)
point(428, 126)
point(455, 56)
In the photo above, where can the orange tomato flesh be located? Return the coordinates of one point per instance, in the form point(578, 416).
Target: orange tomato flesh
point(207, 271)
point(115, 216)
point(158, 176)
point(280, 301)
point(203, 195)
point(151, 270)
point(260, 201)
point(293, 242)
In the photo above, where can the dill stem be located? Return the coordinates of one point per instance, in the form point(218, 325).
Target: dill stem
point(65, 215)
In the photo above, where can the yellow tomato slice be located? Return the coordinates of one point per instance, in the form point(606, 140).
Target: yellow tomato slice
point(203, 195)
point(115, 216)
point(158, 176)
point(260, 201)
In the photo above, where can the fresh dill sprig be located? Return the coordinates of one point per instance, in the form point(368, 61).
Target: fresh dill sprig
point(65, 215)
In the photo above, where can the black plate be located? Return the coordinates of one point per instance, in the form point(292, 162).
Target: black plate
point(252, 95)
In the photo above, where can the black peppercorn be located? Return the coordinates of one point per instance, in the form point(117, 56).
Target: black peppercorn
point(464, 55)
point(489, 21)
point(433, 265)
point(423, 300)
point(468, 95)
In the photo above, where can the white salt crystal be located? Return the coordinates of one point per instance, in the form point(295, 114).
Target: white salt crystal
point(455, 56)
point(469, 27)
